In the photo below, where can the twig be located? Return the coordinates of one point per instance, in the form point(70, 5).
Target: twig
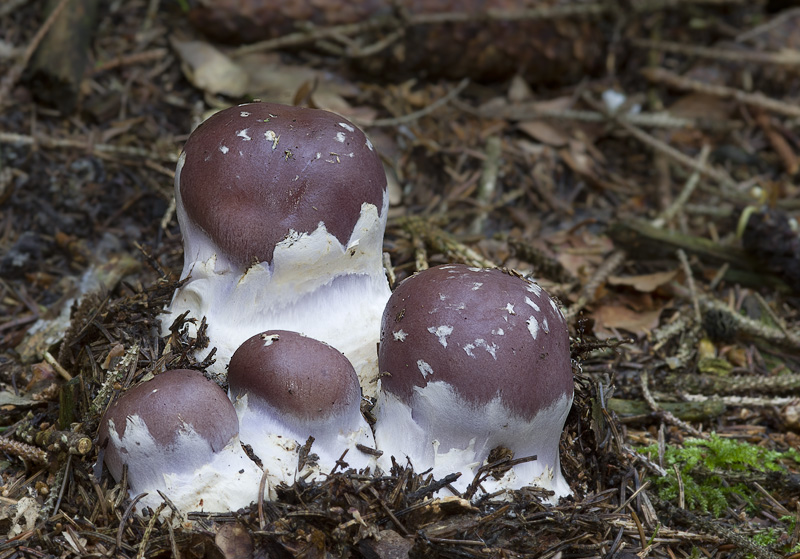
point(787, 57)
point(749, 384)
point(665, 148)
point(687, 269)
point(660, 75)
point(718, 529)
point(57, 366)
point(132, 59)
point(123, 522)
point(410, 117)
point(688, 189)
point(149, 530)
point(441, 241)
point(487, 185)
point(587, 294)
point(531, 111)
point(669, 417)
point(85, 144)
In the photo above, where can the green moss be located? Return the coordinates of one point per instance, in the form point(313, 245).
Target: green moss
point(706, 467)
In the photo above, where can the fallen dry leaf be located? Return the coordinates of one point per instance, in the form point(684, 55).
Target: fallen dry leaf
point(209, 69)
point(609, 318)
point(645, 283)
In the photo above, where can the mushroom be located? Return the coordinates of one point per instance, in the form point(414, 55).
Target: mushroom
point(477, 367)
point(178, 433)
point(287, 387)
point(282, 211)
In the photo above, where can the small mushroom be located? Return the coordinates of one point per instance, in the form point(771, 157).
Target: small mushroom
point(282, 211)
point(477, 367)
point(178, 433)
point(287, 387)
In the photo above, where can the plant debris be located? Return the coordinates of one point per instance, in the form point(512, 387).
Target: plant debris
point(661, 211)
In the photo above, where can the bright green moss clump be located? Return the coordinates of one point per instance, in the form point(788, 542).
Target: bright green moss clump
point(712, 470)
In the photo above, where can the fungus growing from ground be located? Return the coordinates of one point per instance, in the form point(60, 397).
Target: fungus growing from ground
point(178, 433)
point(287, 387)
point(282, 211)
point(478, 361)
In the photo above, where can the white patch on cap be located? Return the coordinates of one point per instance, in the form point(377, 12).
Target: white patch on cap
point(424, 368)
point(399, 336)
point(340, 137)
point(271, 136)
point(533, 326)
point(243, 134)
point(476, 286)
point(442, 296)
point(319, 155)
point(369, 145)
point(244, 114)
point(347, 127)
point(441, 332)
point(535, 289)
point(545, 326)
point(475, 269)
point(468, 350)
point(491, 349)
point(224, 149)
point(269, 339)
point(532, 304)
point(498, 332)
point(510, 308)
point(555, 308)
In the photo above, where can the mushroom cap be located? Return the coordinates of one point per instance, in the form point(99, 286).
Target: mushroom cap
point(170, 405)
point(254, 173)
point(485, 332)
point(299, 377)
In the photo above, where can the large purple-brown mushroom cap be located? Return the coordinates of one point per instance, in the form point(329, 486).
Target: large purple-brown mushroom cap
point(476, 359)
point(253, 173)
point(178, 433)
point(291, 386)
point(282, 211)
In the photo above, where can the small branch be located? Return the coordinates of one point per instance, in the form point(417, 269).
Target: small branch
point(670, 79)
point(786, 57)
point(664, 148)
point(84, 144)
point(667, 416)
point(687, 270)
point(687, 191)
point(587, 294)
point(416, 115)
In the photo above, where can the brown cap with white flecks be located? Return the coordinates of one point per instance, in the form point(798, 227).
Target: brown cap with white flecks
point(296, 376)
point(170, 404)
point(255, 172)
point(484, 331)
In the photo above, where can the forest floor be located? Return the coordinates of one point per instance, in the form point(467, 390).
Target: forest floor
point(638, 161)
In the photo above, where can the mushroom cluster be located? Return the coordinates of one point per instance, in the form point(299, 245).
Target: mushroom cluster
point(282, 211)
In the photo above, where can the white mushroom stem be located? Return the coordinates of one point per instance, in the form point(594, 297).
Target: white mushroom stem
point(193, 476)
point(277, 441)
point(468, 435)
